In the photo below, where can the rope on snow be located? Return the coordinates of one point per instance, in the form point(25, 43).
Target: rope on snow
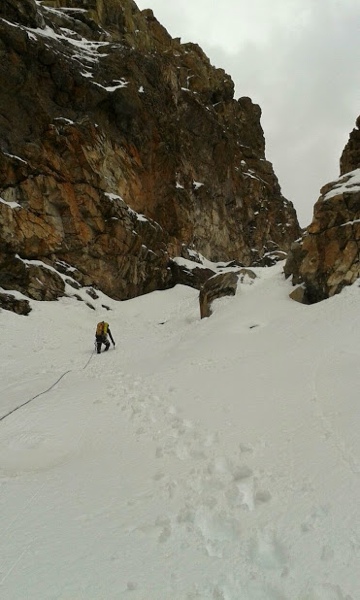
point(45, 391)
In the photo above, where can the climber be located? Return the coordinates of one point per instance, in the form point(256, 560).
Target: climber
point(101, 336)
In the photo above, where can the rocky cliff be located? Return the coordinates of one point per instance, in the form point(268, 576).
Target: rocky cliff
point(327, 256)
point(121, 148)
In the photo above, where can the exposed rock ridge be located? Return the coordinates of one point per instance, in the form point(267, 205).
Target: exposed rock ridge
point(120, 147)
point(327, 256)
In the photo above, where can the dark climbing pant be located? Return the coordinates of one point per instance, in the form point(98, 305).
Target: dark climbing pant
point(102, 339)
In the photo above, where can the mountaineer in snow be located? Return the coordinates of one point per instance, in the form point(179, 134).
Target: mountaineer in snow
point(101, 336)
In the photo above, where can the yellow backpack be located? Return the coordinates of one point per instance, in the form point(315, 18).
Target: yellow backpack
point(102, 328)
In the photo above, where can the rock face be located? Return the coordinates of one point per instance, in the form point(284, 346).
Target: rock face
point(327, 257)
point(121, 148)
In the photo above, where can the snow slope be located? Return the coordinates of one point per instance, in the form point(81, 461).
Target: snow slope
point(213, 460)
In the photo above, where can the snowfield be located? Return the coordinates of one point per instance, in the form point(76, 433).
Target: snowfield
point(198, 460)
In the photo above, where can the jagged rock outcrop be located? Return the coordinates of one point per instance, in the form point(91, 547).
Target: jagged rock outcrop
point(327, 257)
point(350, 158)
point(120, 147)
point(40, 283)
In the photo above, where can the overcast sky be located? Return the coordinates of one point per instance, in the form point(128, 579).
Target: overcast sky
point(299, 60)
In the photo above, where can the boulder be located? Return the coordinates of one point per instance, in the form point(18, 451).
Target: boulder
point(246, 275)
point(299, 295)
point(9, 302)
point(194, 276)
point(218, 286)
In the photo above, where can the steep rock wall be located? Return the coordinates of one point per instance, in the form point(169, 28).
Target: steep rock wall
point(120, 148)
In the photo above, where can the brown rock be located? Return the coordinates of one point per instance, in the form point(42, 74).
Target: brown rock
point(328, 256)
point(35, 281)
point(21, 11)
point(193, 277)
point(299, 295)
point(350, 158)
point(218, 286)
point(9, 302)
point(245, 274)
point(116, 156)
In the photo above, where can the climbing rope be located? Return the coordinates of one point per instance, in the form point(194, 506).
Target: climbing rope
point(45, 391)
